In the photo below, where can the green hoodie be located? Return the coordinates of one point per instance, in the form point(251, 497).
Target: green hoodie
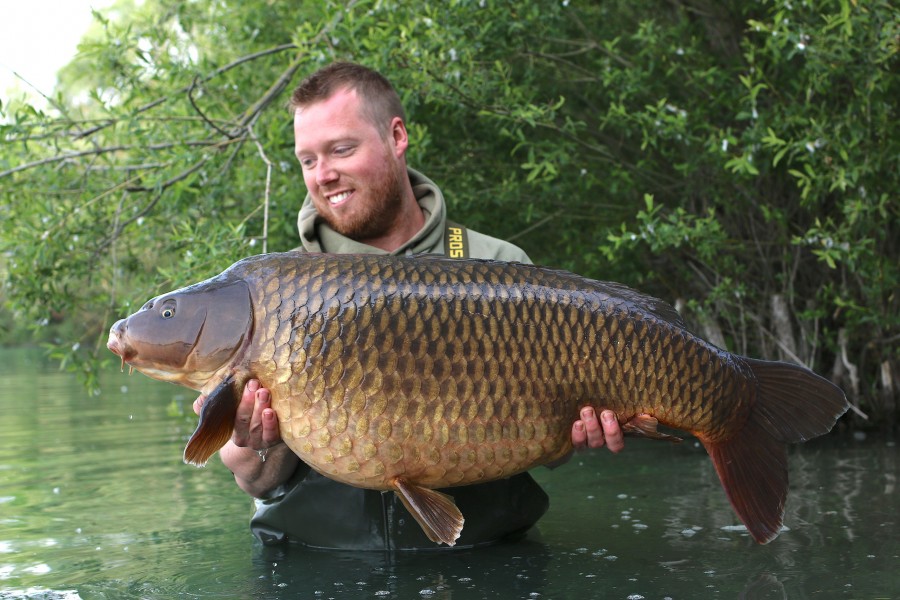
point(323, 513)
point(317, 236)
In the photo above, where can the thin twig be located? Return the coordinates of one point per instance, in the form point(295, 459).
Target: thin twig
point(235, 63)
point(262, 154)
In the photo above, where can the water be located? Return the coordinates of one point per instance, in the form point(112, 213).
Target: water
point(96, 503)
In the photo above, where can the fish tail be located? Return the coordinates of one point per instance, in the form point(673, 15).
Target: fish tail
point(215, 426)
point(793, 404)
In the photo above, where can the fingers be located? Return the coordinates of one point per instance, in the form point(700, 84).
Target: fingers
point(255, 424)
point(271, 432)
point(198, 404)
point(590, 432)
point(587, 432)
point(612, 432)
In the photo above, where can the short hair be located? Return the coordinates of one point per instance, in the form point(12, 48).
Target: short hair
point(381, 103)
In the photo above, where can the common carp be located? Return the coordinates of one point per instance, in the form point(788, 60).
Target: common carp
point(416, 373)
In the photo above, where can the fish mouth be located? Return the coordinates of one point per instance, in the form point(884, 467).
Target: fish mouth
point(117, 347)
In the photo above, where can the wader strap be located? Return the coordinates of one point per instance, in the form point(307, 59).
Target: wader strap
point(456, 241)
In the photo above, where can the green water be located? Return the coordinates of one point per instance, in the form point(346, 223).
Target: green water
point(96, 503)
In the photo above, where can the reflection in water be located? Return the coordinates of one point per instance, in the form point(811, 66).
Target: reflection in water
point(515, 570)
point(96, 503)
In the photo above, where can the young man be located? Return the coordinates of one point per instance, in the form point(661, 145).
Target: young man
point(351, 140)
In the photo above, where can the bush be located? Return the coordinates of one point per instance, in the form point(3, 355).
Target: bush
point(735, 158)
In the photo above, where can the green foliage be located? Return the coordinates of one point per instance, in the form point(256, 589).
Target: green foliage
point(759, 136)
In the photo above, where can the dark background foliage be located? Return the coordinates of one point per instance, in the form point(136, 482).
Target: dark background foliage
point(739, 159)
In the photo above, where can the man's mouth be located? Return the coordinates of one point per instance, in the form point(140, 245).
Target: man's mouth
point(338, 198)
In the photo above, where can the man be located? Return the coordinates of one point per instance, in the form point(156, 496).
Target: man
point(351, 141)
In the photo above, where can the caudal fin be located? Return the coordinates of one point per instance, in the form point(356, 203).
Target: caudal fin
point(793, 405)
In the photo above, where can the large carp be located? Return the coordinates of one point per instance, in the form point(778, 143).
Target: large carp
point(410, 374)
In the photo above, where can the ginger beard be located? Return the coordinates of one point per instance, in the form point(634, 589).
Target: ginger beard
point(371, 211)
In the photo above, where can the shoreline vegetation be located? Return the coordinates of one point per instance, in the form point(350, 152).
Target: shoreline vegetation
point(738, 160)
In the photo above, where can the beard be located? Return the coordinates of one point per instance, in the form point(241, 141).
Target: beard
point(374, 214)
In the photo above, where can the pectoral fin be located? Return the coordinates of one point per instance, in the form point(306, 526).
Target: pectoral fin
point(646, 426)
point(435, 512)
point(215, 426)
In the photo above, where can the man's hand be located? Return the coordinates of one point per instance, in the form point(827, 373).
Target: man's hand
point(256, 453)
point(588, 432)
point(255, 424)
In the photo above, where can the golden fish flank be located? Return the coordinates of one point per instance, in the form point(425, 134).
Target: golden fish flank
point(409, 374)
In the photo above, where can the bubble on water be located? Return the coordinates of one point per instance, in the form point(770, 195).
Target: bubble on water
point(634, 597)
point(688, 532)
point(383, 593)
point(39, 569)
point(38, 592)
point(427, 592)
point(639, 525)
point(622, 496)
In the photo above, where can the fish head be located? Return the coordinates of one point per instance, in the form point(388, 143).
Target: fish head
point(187, 336)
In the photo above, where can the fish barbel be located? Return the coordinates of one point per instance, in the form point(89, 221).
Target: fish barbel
point(416, 373)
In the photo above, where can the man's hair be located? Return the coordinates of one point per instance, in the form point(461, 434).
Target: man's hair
point(380, 102)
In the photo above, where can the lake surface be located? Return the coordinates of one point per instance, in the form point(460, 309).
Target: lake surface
point(95, 502)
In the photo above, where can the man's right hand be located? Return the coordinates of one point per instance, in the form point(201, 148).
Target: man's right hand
point(256, 454)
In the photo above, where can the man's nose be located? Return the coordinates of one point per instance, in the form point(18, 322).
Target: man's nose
point(325, 173)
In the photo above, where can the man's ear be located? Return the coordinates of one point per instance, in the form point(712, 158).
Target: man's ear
point(399, 137)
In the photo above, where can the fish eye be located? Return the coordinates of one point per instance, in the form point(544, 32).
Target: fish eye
point(168, 310)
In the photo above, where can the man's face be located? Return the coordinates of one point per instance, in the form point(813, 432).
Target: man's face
point(353, 170)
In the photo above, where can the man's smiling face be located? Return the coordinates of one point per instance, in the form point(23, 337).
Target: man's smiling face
point(353, 169)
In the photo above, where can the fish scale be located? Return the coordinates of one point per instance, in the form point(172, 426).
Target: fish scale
point(416, 373)
point(528, 332)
